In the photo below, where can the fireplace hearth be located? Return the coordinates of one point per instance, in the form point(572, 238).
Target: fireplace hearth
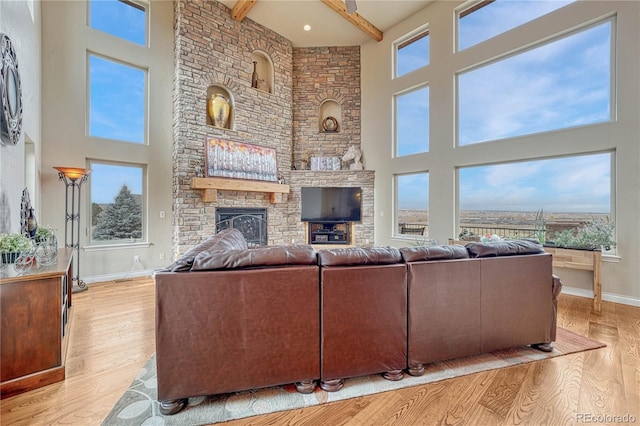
point(252, 222)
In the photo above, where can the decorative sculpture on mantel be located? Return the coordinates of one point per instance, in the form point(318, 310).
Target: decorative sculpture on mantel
point(353, 153)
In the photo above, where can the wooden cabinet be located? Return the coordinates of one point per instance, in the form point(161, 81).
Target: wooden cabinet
point(35, 311)
point(329, 233)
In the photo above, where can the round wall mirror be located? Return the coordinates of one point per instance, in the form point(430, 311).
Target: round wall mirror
point(10, 94)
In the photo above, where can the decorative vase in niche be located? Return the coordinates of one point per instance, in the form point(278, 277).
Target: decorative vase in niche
point(219, 110)
point(254, 76)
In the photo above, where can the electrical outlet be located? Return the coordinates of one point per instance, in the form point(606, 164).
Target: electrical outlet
point(136, 259)
point(162, 215)
point(161, 256)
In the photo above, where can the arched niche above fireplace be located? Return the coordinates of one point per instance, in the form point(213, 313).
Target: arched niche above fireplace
point(262, 65)
point(212, 91)
point(330, 116)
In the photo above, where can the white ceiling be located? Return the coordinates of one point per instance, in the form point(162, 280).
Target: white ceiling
point(287, 17)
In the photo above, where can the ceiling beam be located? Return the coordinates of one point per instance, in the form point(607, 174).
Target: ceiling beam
point(362, 24)
point(241, 8)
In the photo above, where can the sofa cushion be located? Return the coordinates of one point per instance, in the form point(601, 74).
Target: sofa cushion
point(227, 239)
point(359, 256)
point(443, 252)
point(504, 248)
point(255, 257)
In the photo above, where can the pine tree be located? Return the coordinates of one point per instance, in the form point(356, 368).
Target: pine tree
point(95, 213)
point(120, 220)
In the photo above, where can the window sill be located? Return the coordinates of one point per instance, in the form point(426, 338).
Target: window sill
point(117, 246)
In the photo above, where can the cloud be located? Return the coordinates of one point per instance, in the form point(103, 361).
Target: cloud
point(501, 16)
point(580, 183)
point(557, 85)
point(413, 191)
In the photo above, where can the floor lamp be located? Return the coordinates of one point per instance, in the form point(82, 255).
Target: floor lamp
point(73, 179)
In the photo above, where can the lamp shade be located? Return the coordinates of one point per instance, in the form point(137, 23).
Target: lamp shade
point(72, 172)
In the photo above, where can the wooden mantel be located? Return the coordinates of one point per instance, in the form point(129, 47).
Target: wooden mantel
point(210, 187)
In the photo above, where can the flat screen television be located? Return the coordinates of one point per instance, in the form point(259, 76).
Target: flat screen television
point(328, 204)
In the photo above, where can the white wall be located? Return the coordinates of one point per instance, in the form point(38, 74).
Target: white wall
point(67, 38)
point(621, 280)
point(20, 20)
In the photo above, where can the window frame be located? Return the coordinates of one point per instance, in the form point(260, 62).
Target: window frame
point(94, 244)
point(396, 207)
point(415, 35)
point(137, 4)
point(612, 186)
point(145, 100)
point(611, 19)
point(472, 6)
point(396, 127)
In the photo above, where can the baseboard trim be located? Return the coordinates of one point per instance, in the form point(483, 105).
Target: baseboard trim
point(118, 276)
point(609, 297)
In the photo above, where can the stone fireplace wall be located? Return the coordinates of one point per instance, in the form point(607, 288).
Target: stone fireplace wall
point(325, 74)
point(211, 49)
point(363, 231)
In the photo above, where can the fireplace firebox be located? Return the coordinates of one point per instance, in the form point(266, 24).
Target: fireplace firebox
point(252, 222)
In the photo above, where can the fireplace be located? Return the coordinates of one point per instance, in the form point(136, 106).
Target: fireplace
point(251, 222)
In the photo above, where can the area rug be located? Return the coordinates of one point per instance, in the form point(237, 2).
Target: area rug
point(138, 406)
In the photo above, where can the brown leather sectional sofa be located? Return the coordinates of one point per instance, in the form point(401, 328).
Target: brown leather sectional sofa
point(229, 318)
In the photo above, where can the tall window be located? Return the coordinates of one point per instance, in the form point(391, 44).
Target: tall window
point(412, 205)
point(482, 20)
point(117, 94)
point(117, 202)
point(504, 199)
point(412, 122)
point(562, 84)
point(122, 18)
point(412, 53)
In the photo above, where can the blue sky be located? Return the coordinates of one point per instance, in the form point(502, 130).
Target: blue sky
point(576, 184)
point(107, 179)
point(501, 16)
point(117, 102)
point(558, 85)
point(412, 122)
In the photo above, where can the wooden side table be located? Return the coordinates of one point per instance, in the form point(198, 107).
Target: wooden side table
point(586, 260)
point(35, 310)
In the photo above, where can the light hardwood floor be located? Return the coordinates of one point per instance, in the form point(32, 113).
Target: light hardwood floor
point(112, 336)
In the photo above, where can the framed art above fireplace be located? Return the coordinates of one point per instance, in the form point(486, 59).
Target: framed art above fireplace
point(239, 160)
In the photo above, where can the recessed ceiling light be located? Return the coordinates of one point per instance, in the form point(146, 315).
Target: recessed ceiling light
point(307, 27)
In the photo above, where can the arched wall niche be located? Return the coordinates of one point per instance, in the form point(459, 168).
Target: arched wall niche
point(264, 70)
point(213, 90)
point(329, 116)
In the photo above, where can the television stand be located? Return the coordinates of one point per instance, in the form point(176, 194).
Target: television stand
point(329, 232)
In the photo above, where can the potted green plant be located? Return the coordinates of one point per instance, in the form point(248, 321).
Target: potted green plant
point(594, 235)
point(44, 233)
point(11, 245)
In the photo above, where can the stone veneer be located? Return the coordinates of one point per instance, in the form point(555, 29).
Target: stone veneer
point(319, 74)
point(213, 49)
point(362, 231)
